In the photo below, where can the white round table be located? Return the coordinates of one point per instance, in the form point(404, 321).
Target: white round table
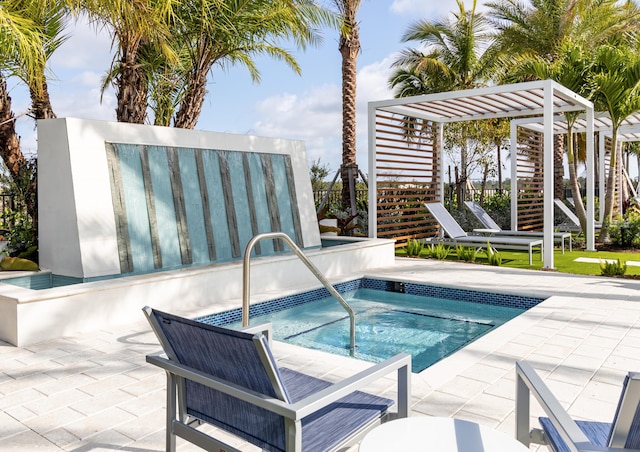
point(424, 433)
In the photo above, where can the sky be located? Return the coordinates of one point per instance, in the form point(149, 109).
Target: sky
point(282, 105)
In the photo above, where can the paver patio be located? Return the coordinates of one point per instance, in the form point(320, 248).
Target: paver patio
point(95, 392)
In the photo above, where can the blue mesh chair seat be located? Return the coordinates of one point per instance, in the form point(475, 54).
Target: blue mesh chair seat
point(563, 434)
point(230, 379)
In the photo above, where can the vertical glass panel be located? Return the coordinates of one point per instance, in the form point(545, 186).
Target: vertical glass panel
point(193, 206)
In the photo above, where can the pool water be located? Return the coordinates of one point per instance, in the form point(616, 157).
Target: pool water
point(387, 323)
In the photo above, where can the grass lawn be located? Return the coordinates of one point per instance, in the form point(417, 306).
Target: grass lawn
point(563, 262)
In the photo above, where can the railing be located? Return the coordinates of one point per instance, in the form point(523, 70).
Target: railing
point(246, 289)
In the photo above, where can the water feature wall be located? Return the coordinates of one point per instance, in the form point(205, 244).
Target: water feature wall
point(119, 199)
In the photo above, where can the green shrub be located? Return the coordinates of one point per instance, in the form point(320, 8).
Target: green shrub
point(625, 233)
point(466, 253)
point(616, 268)
point(493, 257)
point(414, 247)
point(439, 251)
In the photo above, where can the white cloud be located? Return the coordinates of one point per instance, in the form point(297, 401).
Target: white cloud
point(315, 116)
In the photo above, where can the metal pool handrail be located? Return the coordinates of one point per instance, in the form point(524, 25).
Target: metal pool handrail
point(246, 289)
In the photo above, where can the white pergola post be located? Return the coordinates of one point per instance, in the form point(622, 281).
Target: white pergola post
point(514, 175)
point(590, 233)
point(601, 162)
point(373, 180)
point(548, 175)
point(440, 170)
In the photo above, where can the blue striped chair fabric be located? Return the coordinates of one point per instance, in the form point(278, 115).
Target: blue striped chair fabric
point(599, 433)
point(234, 357)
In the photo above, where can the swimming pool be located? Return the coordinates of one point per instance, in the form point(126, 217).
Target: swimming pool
point(428, 322)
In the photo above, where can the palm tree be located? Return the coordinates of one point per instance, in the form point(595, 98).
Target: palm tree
point(349, 47)
point(234, 32)
point(571, 68)
point(457, 55)
point(616, 89)
point(538, 30)
point(132, 24)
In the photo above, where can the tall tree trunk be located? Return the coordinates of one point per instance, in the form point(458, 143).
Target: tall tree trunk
point(9, 141)
point(349, 48)
point(498, 147)
point(192, 101)
point(573, 182)
point(132, 87)
point(611, 189)
point(558, 166)
point(41, 103)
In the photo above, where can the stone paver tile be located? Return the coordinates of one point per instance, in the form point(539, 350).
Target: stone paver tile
point(474, 417)
point(9, 426)
point(439, 404)
point(564, 391)
point(107, 384)
point(57, 400)
point(19, 413)
point(621, 363)
point(53, 419)
point(490, 406)
point(485, 373)
point(611, 376)
point(592, 409)
point(24, 382)
point(505, 387)
point(104, 441)
point(78, 357)
point(110, 368)
point(61, 437)
point(464, 387)
point(19, 397)
point(553, 350)
point(101, 402)
point(586, 363)
point(64, 384)
point(28, 441)
point(150, 384)
point(602, 391)
point(105, 420)
point(140, 406)
point(571, 375)
point(143, 425)
point(144, 371)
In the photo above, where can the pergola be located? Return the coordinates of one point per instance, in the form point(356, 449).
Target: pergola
point(405, 150)
point(629, 131)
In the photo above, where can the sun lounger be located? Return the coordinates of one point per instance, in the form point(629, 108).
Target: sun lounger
point(493, 229)
point(574, 222)
point(457, 235)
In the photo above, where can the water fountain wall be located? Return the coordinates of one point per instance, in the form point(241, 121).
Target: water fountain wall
point(119, 199)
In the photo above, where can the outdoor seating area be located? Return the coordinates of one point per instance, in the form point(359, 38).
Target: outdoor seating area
point(457, 236)
point(96, 391)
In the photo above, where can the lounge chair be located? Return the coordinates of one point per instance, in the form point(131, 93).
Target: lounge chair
point(574, 222)
point(230, 379)
point(492, 228)
point(457, 235)
point(561, 433)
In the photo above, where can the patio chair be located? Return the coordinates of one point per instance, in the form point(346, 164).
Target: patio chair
point(574, 222)
point(230, 379)
point(561, 433)
point(457, 235)
point(492, 228)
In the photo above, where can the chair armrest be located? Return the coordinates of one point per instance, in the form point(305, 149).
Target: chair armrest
point(400, 362)
point(527, 382)
point(264, 328)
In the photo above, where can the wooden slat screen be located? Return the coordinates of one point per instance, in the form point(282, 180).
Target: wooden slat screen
point(407, 175)
point(530, 180)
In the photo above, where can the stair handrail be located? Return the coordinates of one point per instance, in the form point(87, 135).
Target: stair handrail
point(246, 286)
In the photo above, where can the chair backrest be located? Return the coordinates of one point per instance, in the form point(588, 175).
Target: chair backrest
point(445, 220)
point(482, 215)
point(625, 430)
point(565, 210)
point(239, 358)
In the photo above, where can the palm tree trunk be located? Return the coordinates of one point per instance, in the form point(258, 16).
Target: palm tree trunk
point(349, 48)
point(611, 188)
point(9, 141)
point(573, 182)
point(191, 104)
point(41, 103)
point(132, 87)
